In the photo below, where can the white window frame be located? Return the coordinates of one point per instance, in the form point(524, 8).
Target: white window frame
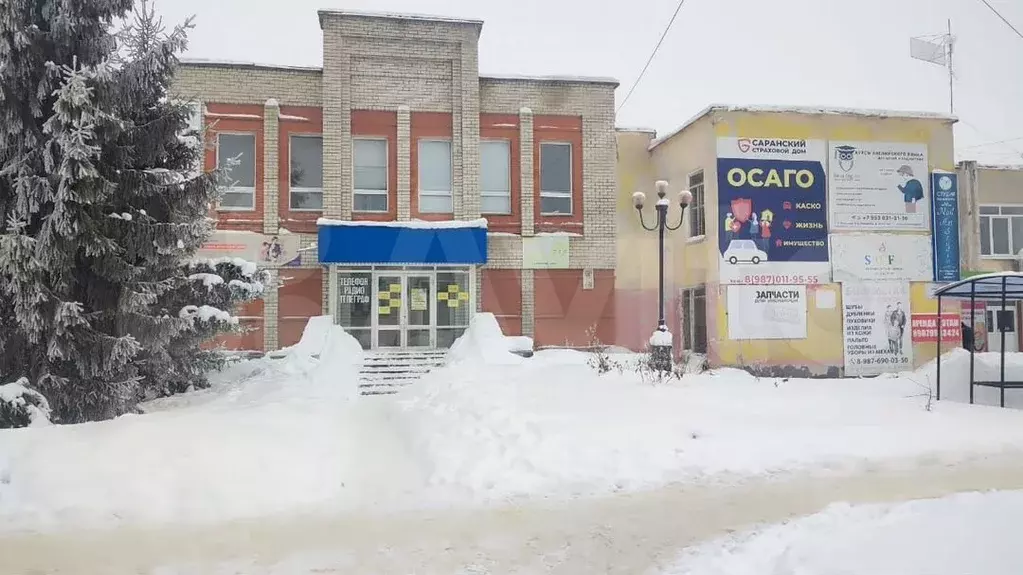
point(697, 209)
point(484, 193)
point(301, 190)
point(419, 172)
point(991, 228)
point(239, 189)
point(571, 180)
point(386, 192)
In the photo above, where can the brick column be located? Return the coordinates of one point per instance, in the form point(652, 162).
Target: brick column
point(270, 312)
point(337, 129)
point(466, 133)
point(271, 167)
point(526, 180)
point(404, 169)
point(528, 303)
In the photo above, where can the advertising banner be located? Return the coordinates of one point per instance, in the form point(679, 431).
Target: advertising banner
point(766, 312)
point(876, 328)
point(878, 185)
point(264, 250)
point(772, 197)
point(881, 257)
point(925, 329)
point(945, 226)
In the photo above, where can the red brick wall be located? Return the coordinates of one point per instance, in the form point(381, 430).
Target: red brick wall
point(559, 129)
point(251, 123)
point(299, 298)
point(564, 311)
point(502, 296)
point(300, 221)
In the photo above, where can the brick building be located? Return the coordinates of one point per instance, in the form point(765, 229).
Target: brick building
point(398, 190)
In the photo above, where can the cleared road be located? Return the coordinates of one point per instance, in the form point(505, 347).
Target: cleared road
point(626, 533)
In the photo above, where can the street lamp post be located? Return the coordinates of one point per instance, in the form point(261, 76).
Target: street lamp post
point(661, 341)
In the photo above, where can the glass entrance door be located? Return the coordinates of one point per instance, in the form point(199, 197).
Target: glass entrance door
point(419, 320)
point(389, 307)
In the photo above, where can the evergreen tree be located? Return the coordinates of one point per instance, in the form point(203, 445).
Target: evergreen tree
point(101, 202)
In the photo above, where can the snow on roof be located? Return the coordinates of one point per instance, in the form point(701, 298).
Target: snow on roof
point(985, 287)
point(809, 110)
point(1000, 167)
point(396, 16)
point(632, 129)
point(411, 224)
point(242, 64)
point(554, 78)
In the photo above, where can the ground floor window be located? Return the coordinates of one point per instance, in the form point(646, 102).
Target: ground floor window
point(694, 319)
point(405, 307)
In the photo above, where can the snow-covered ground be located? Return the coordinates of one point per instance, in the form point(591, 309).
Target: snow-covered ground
point(290, 435)
point(954, 535)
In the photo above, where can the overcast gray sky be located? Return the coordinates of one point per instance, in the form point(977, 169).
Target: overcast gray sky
point(851, 53)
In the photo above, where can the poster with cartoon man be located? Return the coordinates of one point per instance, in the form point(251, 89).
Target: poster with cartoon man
point(878, 185)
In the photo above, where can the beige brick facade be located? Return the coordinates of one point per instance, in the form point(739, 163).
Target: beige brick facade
point(407, 65)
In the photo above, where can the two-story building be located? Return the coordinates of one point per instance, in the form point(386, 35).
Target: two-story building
point(807, 249)
point(991, 218)
point(400, 191)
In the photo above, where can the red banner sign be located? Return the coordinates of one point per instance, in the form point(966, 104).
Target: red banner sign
point(925, 328)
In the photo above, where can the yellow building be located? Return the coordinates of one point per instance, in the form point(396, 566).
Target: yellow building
point(791, 206)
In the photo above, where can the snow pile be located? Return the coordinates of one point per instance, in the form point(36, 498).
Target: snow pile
point(20, 405)
point(483, 342)
point(519, 343)
point(550, 425)
point(248, 269)
point(964, 533)
point(335, 349)
point(270, 436)
point(955, 377)
point(661, 338)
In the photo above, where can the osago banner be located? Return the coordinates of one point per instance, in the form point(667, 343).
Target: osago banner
point(773, 209)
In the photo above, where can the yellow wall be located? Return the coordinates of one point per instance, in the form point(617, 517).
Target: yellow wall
point(694, 261)
point(637, 255)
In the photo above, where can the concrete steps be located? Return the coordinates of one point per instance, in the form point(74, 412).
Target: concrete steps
point(386, 372)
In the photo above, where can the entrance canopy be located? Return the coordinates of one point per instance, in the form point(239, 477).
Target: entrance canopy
point(451, 242)
point(1003, 287)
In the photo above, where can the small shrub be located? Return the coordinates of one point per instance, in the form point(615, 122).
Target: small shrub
point(21, 406)
point(600, 361)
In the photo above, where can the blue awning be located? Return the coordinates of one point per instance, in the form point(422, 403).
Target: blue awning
point(454, 242)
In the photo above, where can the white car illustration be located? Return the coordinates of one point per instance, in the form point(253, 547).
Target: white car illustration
point(745, 251)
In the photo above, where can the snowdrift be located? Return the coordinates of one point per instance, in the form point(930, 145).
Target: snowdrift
point(964, 533)
point(955, 376)
point(484, 342)
point(270, 436)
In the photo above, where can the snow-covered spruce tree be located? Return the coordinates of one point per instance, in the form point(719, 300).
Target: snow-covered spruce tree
point(100, 200)
point(214, 288)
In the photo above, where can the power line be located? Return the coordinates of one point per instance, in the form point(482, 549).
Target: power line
point(652, 54)
point(993, 143)
point(1002, 18)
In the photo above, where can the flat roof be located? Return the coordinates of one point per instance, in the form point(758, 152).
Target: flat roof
point(1001, 167)
point(556, 78)
point(635, 129)
point(396, 16)
point(205, 62)
point(985, 287)
point(807, 110)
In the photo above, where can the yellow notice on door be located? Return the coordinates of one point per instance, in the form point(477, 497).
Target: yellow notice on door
point(418, 299)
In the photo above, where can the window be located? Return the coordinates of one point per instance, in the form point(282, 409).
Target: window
point(556, 178)
point(236, 157)
point(1001, 230)
point(370, 163)
point(495, 177)
point(697, 212)
point(435, 177)
point(306, 173)
point(694, 319)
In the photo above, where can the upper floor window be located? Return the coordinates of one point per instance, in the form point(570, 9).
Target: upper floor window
point(369, 157)
point(697, 208)
point(435, 177)
point(495, 177)
point(236, 156)
point(306, 172)
point(1001, 230)
point(556, 178)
